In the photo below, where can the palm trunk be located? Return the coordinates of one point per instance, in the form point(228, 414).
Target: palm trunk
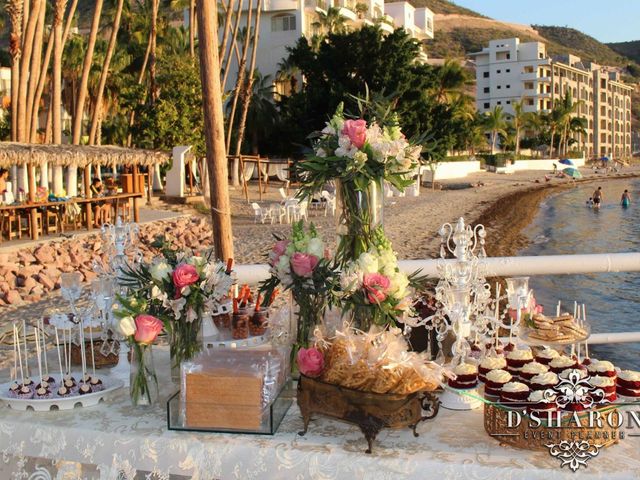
point(246, 97)
point(232, 47)
point(553, 132)
point(25, 61)
point(86, 67)
point(214, 129)
point(227, 27)
point(42, 80)
point(34, 76)
point(192, 28)
point(97, 112)
point(517, 141)
point(494, 135)
point(56, 102)
point(143, 70)
point(14, 10)
point(67, 25)
point(153, 90)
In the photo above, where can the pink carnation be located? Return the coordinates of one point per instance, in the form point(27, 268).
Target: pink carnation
point(376, 286)
point(310, 362)
point(303, 264)
point(356, 130)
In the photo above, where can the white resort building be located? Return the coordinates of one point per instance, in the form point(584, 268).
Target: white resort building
point(283, 22)
point(508, 71)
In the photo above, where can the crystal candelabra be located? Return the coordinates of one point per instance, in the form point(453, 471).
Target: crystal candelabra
point(117, 239)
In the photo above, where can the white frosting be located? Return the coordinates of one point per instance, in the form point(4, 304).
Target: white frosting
point(601, 366)
point(498, 376)
point(548, 353)
point(560, 362)
point(629, 375)
point(601, 381)
point(465, 369)
point(534, 367)
point(524, 354)
point(548, 378)
point(537, 396)
point(514, 387)
point(565, 373)
point(493, 363)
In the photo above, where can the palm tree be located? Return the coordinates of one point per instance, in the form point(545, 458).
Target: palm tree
point(15, 11)
point(553, 120)
point(495, 123)
point(577, 126)
point(288, 71)
point(25, 63)
point(262, 111)
point(452, 79)
point(566, 110)
point(518, 121)
point(332, 21)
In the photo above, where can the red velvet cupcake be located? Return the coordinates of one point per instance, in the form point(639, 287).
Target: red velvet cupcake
point(602, 368)
point(518, 358)
point(628, 380)
point(544, 381)
point(530, 370)
point(540, 405)
point(514, 394)
point(546, 355)
point(607, 384)
point(466, 376)
point(561, 363)
point(490, 363)
point(494, 382)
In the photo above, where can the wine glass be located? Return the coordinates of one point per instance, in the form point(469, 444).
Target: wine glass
point(71, 288)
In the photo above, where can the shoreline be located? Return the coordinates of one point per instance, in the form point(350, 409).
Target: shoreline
point(510, 214)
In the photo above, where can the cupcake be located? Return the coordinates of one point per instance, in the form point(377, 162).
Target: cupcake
point(514, 394)
point(530, 370)
point(494, 382)
point(541, 404)
point(545, 356)
point(96, 384)
point(466, 376)
point(490, 363)
point(561, 363)
point(628, 384)
point(13, 390)
point(543, 381)
point(602, 368)
point(582, 372)
point(25, 393)
point(607, 384)
point(42, 393)
point(518, 358)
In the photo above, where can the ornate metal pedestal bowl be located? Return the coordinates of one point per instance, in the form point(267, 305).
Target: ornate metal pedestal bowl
point(370, 411)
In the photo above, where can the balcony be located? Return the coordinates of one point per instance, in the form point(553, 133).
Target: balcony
point(386, 24)
point(524, 76)
point(278, 5)
point(314, 5)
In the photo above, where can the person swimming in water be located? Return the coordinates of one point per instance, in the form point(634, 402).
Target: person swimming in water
point(590, 202)
point(625, 201)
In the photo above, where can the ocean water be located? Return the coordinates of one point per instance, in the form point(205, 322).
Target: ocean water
point(564, 225)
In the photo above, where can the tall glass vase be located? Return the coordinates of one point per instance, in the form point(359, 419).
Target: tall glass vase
point(185, 342)
point(360, 213)
point(143, 382)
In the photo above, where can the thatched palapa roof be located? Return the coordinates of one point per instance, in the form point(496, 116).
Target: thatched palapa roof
point(12, 153)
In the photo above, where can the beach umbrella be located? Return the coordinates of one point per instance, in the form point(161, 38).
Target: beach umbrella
point(566, 161)
point(572, 172)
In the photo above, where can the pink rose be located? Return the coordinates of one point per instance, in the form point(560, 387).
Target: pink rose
point(278, 250)
point(356, 130)
point(303, 264)
point(375, 286)
point(183, 276)
point(147, 329)
point(310, 362)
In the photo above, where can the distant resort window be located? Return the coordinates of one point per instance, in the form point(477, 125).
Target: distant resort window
point(486, 105)
point(485, 75)
point(283, 23)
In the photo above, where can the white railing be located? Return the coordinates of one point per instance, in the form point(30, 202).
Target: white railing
point(513, 267)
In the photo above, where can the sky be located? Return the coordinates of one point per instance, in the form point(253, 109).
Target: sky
point(607, 21)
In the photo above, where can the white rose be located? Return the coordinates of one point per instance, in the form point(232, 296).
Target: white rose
point(127, 326)
point(329, 130)
point(316, 247)
point(368, 263)
point(156, 293)
point(321, 153)
point(399, 284)
point(160, 271)
point(360, 158)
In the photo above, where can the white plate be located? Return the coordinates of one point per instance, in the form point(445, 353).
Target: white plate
point(60, 403)
point(453, 399)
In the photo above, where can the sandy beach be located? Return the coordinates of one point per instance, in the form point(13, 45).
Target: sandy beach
point(505, 204)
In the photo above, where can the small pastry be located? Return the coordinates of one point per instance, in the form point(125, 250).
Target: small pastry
point(42, 393)
point(63, 391)
point(602, 368)
point(628, 383)
point(541, 404)
point(29, 383)
point(13, 390)
point(545, 356)
point(544, 381)
point(495, 380)
point(530, 370)
point(518, 358)
point(561, 363)
point(25, 392)
point(84, 389)
point(513, 394)
point(582, 372)
point(51, 381)
point(607, 384)
point(490, 363)
point(466, 376)
point(96, 384)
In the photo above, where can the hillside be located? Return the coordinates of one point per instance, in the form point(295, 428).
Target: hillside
point(628, 49)
point(444, 7)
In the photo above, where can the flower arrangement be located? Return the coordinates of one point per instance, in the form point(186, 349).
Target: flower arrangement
point(301, 265)
point(179, 287)
point(358, 157)
point(374, 289)
point(140, 330)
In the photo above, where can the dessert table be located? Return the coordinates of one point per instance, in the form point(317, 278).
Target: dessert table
point(114, 440)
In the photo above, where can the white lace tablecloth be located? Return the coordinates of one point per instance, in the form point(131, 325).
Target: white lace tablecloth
point(115, 441)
